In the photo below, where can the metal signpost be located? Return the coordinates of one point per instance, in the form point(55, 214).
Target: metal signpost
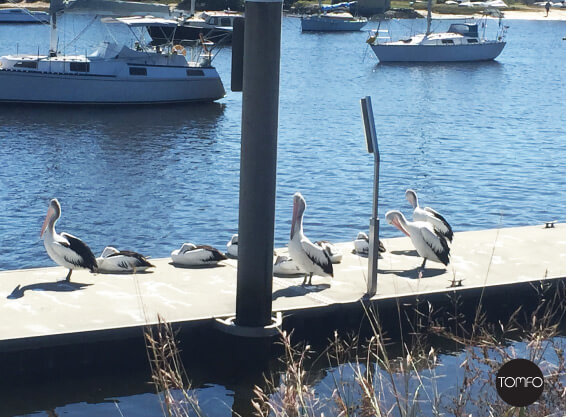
point(372, 146)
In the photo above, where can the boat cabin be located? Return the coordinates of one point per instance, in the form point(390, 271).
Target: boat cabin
point(465, 29)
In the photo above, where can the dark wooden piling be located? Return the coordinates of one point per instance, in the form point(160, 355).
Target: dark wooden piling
point(260, 110)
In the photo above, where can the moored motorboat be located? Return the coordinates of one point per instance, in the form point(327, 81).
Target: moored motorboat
point(215, 26)
point(333, 18)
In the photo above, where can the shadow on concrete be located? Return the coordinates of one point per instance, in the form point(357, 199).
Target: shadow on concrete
point(60, 286)
point(299, 290)
point(414, 273)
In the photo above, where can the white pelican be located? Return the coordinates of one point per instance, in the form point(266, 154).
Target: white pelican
point(197, 255)
point(112, 260)
point(429, 242)
point(65, 249)
point(429, 215)
point(332, 251)
point(361, 244)
point(286, 266)
point(311, 258)
point(232, 246)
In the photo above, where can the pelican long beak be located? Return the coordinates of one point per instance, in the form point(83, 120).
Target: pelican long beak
point(293, 220)
point(50, 214)
point(395, 222)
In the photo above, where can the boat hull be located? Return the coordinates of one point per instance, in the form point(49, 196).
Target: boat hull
point(21, 16)
point(41, 87)
point(485, 51)
point(322, 24)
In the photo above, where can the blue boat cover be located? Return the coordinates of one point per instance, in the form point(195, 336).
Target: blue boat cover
point(344, 5)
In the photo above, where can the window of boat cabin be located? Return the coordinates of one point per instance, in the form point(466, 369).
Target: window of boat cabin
point(195, 73)
point(447, 41)
point(472, 40)
point(213, 21)
point(79, 66)
point(26, 64)
point(225, 21)
point(138, 71)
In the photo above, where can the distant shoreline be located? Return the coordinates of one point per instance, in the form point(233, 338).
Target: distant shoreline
point(535, 13)
point(532, 14)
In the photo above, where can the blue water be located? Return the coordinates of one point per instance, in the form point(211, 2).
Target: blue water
point(483, 143)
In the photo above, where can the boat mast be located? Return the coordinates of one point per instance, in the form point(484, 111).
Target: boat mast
point(428, 16)
point(54, 7)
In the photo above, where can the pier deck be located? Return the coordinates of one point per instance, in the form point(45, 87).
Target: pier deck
point(104, 306)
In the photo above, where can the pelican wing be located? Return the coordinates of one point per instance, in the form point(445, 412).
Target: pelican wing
point(318, 256)
point(81, 254)
point(215, 254)
point(137, 259)
point(436, 241)
point(439, 223)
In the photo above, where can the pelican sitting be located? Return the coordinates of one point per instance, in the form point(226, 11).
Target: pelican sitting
point(197, 255)
point(429, 242)
point(232, 246)
point(429, 215)
point(332, 251)
point(361, 244)
point(311, 258)
point(286, 266)
point(65, 249)
point(112, 260)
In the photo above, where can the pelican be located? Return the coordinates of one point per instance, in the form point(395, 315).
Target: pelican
point(286, 266)
point(311, 258)
point(232, 246)
point(361, 244)
point(65, 249)
point(429, 215)
point(429, 242)
point(333, 252)
point(197, 255)
point(112, 260)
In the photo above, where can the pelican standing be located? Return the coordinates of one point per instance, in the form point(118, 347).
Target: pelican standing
point(429, 215)
point(311, 258)
point(429, 242)
point(112, 260)
point(65, 249)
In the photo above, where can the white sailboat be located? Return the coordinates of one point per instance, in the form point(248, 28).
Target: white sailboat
point(461, 43)
point(112, 74)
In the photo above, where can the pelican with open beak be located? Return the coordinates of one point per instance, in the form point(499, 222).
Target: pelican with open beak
point(65, 249)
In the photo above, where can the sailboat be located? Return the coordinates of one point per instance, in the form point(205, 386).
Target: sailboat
point(333, 19)
point(111, 74)
point(461, 43)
